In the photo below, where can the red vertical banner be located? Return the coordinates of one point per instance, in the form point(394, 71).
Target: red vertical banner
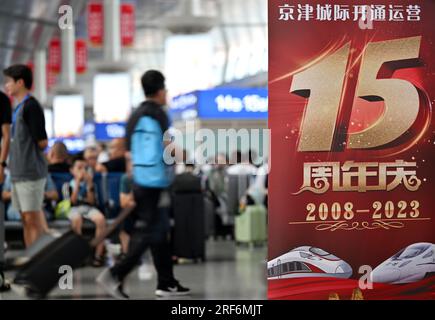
point(32, 67)
point(128, 27)
point(51, 78)
point(54, 55)
point(81, 56)
point(95, 24)
point(351, 205)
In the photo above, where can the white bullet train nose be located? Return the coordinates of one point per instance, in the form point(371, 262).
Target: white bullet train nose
point(385, 275)
point(344, 270)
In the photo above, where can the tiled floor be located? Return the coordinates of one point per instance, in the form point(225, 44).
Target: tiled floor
point(230, 272)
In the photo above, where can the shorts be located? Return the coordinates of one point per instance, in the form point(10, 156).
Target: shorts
point(84, 211)
point(28, 195)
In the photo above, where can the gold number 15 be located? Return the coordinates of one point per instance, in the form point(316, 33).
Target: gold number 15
point(323, 85)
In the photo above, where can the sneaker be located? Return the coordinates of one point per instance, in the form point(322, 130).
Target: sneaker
point(111, 285)
point(171, 291)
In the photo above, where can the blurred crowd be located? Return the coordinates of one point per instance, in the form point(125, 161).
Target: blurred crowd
point(210, 179)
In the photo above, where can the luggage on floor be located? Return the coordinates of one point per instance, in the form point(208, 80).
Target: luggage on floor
point(251, 225)
point(42, 242)
point(189, 231)
point(186, 182)
point(42, 273)
point(236, 187)
point(209, 217)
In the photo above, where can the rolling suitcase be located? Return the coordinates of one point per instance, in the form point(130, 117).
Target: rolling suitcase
point(189, 229)
point(251, 225)
point(42, 242)
point(41, 274)
point(209, 217)
point(236, 187)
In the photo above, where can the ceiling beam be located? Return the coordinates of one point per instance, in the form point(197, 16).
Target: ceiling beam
point(23, 17)
point(8, 46)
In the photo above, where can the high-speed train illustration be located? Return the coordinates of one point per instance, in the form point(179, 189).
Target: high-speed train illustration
point(307, 261)
point(410, 264)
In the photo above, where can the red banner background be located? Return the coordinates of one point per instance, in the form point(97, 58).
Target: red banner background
point(295, 46)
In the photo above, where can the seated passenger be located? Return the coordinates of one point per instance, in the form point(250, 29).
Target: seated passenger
point(116, 162)
point(58, 158)
point(81, 192)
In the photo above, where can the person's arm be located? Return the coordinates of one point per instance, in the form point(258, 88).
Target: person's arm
point(35, 120)
point(6, 196)
point(5, 121)
point(6, 133)
point(42, 144)
point(101, 168)
point(75, 191)
point(51, 195)
point(6, 129)
point(127, 200)
point(90, 189)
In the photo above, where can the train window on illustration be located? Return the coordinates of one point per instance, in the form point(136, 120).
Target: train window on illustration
point(292, 266)
point(323, 254)
point(304, 267)
point(306, 255)
point(276, 270)
point(301, 266)
point(428, 255)
point(397, 255)
point(413, 251)
point(285, 268)
point(319, 251)
point(405, 263)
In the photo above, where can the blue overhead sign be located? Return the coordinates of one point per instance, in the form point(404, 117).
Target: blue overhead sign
point(231, 103)
point(222, 103)
point(109, 131)
point(104, 131)
point(184, 107)
point(74, 145)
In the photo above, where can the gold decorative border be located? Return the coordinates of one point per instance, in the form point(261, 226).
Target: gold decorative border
point(386, 224)
point(377, 224)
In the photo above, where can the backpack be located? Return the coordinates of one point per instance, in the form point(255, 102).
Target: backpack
point(62, 209)
point(149, 169)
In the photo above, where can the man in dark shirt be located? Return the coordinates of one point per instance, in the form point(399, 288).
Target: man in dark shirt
point(117, 157)
point(5, 123)
point(28, 167)
point(58, 158)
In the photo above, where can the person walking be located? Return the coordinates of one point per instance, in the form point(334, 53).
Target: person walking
point(145, 131)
